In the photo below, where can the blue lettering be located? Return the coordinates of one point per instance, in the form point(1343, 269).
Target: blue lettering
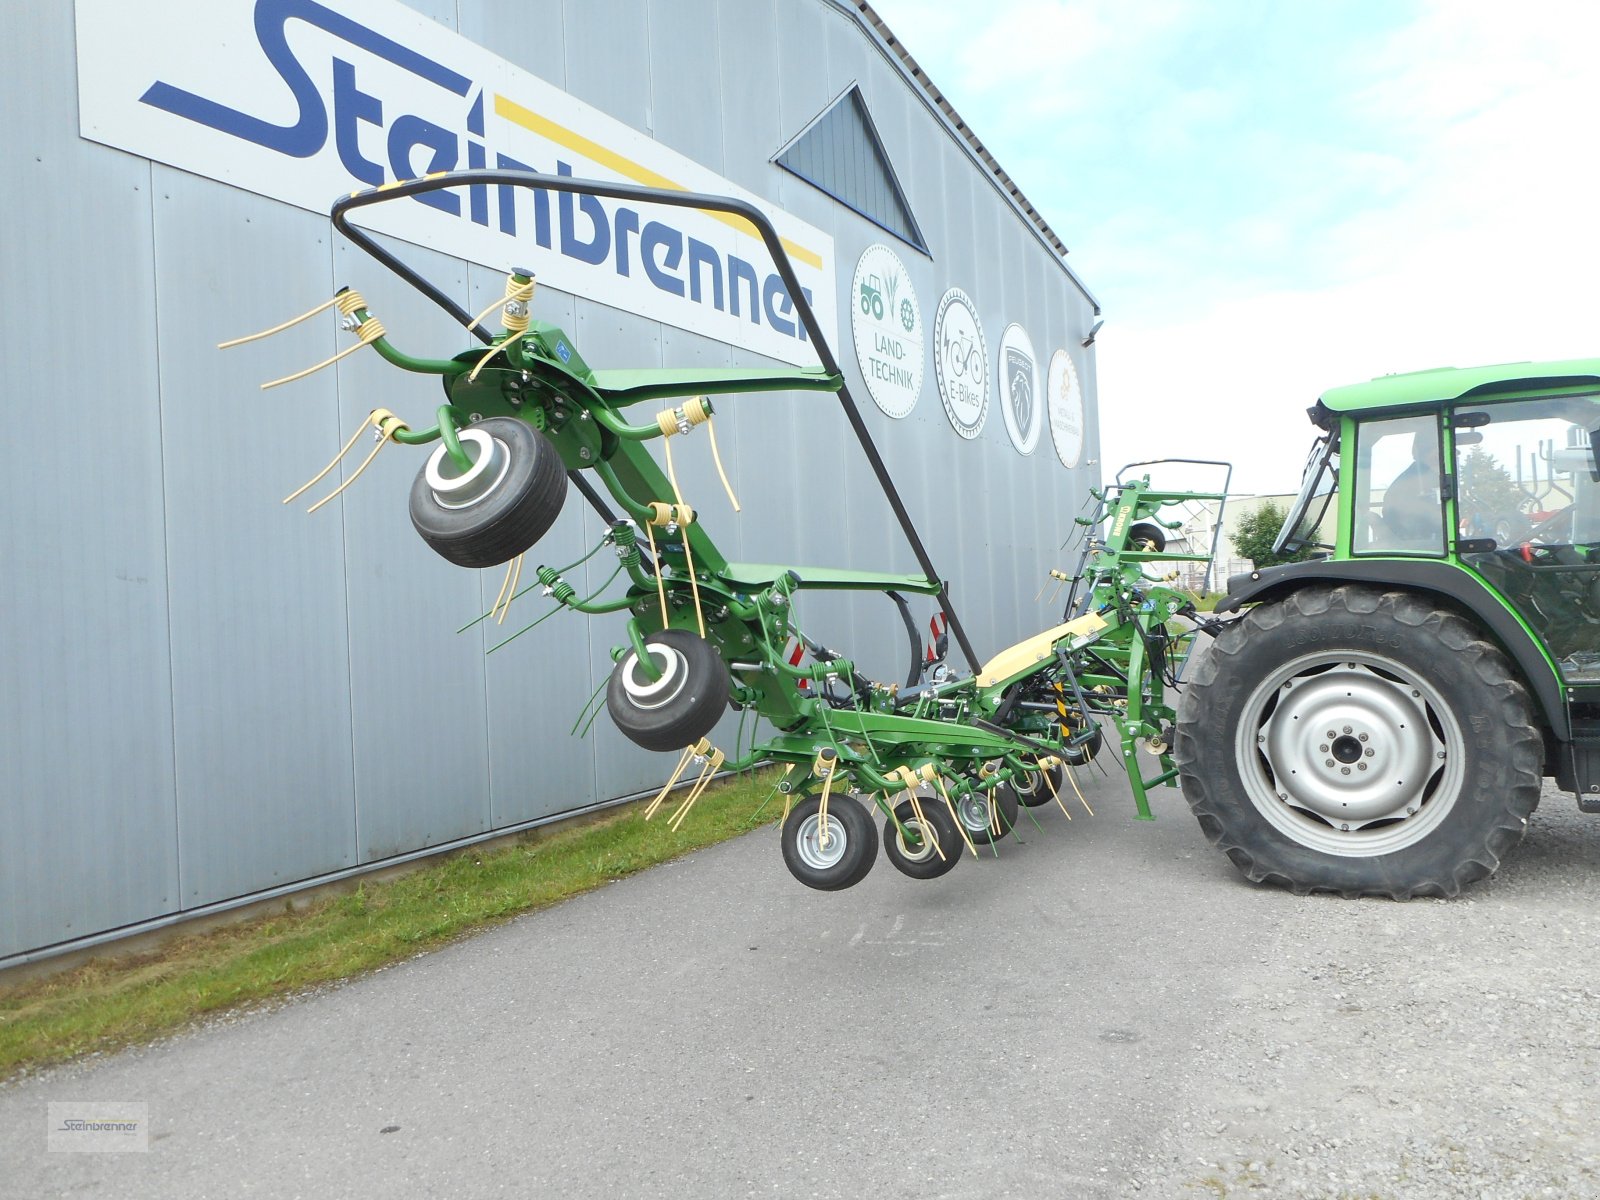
point(598, 248)
point(477, 194)
point(701, 255)
point(309, 133)
point(627, 222)
point(773, 290)
point(734, 287)
point(739, 269)
point(351, 105)
point(657, 236)
point(405, 135)
point(508, 203)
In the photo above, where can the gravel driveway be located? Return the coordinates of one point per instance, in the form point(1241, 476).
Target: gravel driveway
point(1104, 1011)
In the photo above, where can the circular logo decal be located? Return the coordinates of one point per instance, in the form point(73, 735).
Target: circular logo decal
point(1017, 374)
point(888, 330)
point(1066, 409)
point(961, 362)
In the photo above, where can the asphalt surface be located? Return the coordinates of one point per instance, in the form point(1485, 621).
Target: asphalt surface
point(1106, 1011)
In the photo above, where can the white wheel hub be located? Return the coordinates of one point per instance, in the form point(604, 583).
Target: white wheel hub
point(455, 488)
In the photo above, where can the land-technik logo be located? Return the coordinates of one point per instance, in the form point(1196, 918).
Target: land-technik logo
point(582, 228)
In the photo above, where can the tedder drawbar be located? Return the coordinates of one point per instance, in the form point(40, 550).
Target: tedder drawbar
point(948, 758)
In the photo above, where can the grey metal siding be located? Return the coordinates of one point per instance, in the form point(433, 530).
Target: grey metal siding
point(205, 693)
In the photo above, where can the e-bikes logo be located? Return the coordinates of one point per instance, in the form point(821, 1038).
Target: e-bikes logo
point(297, 101)
point(961, 362)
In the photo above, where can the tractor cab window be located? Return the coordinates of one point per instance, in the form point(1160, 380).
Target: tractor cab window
point(1528, 513)
point(1398, 506)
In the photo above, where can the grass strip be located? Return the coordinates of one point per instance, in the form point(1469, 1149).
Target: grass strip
point(129, 998)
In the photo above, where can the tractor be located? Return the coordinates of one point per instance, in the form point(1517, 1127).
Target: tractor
point(1377, 720)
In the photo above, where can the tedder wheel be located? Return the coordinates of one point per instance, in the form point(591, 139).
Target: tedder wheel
point(973, 809)
point(1081, 754)
point(501, 505)
point(914, 853)
point(677, 709)
point(1144, 531)
point(842, 859)
point(1034, 791)
point(1361, 742)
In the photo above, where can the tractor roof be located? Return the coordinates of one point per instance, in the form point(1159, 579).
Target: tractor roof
point(1421, 389)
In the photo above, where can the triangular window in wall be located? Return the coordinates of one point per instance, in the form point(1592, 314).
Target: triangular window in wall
point(840, 153)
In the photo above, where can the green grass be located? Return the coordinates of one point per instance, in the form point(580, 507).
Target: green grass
point(127, 998)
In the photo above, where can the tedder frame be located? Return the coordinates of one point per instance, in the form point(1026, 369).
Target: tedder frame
point(948, 757)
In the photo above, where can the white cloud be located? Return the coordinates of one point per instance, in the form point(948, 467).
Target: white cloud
point(1257, 238)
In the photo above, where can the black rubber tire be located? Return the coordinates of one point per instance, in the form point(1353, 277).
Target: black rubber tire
point(923, 861)
point(829, 868)
point(974, 814)
point(512, 516)
point(1144, 531)
point(693, 698)
point(1033, 792)
point(1393, 655)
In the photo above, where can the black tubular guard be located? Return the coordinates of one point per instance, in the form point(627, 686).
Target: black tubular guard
point(623, 191)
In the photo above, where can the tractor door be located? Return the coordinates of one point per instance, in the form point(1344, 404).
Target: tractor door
point(1527, 517)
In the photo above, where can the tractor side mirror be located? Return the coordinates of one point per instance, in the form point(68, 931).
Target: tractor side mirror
point(1594, 455)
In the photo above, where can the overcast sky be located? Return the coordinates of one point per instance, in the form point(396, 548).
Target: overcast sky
point(1270, 199)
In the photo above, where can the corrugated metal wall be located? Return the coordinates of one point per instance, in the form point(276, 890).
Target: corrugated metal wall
point(204, 694)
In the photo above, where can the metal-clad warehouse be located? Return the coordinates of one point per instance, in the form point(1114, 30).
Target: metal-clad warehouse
point(209, 696)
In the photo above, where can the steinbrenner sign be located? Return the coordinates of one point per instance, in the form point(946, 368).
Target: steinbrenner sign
point(301, 102)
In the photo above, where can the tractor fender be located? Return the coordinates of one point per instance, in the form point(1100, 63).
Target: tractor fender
point(1461, 590)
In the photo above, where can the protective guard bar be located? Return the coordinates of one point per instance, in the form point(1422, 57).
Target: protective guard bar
point(676, 199)
point(1222, 500)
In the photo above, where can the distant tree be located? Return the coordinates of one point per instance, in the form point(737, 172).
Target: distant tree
point(1490, 504)
point(1258, 530)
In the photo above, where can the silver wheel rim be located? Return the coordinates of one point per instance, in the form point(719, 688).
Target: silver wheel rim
point(813, 851)
point(924, 850)
point(1028, 784)
point(651, 694)
point(491, 459)
point(1351, 755)
point(974, 811)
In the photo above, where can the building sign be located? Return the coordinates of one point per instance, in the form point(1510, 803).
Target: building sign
point(887, 324)
point(300, 102)
point(1017, 373)
point(1065, 409)
point(961, 363)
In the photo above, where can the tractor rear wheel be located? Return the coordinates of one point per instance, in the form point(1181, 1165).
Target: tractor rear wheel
point(1361, 742)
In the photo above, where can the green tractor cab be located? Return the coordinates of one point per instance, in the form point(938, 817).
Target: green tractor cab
point(1377, 720)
